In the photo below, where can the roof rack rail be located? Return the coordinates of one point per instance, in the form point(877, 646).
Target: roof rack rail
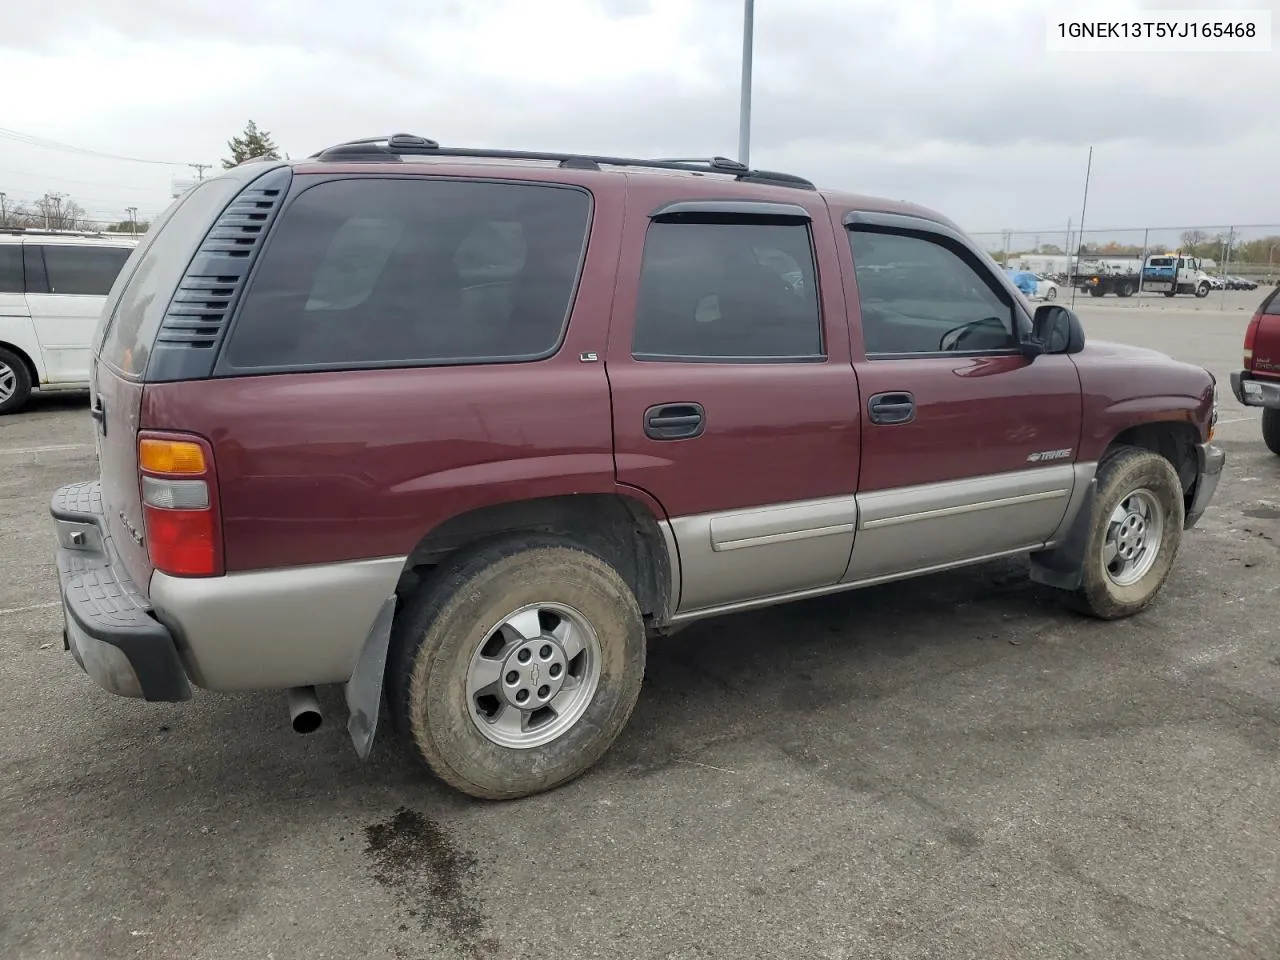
point(398, 145)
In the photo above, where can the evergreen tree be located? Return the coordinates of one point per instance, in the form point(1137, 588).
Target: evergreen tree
point(251, 144)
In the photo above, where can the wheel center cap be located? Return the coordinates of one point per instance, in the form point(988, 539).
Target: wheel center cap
point(533, 673)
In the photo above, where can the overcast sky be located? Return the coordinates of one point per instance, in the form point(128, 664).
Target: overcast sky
point(951, 103)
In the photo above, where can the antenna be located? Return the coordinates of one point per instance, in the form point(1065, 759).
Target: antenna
point(1084, 205)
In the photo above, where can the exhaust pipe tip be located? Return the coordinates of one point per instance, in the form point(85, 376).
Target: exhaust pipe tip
point(304, 709)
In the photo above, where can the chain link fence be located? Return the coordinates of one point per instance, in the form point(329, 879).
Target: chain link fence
point(1251, 251)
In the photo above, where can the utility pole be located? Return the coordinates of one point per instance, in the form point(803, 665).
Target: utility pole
point(744, 104)
point(1226, 262)
point(4, 211)
point(133, 220)
point(199, 168)
point(1142, 257)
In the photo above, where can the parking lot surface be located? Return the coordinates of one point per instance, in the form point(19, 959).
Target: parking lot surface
point(945, 767)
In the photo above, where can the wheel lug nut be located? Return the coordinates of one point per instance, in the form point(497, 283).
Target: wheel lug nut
point(543, 692)
point(524, 656)
point(512, 677)
point(555, 670)
point(522, 696)
point(545, 652)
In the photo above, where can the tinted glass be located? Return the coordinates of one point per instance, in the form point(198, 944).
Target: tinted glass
point(413, 272)
point(83, 271)
point(144, 295)
point(1271, 305)
point(920, 296)
point(727, 291)
point(11, 268)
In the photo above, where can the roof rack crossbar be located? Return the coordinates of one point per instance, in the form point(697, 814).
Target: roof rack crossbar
point(396, 146)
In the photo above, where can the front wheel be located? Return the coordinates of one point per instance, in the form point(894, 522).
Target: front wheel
point(1137, 528)
point(514, 668)
point(1271, 429)
point(1202, 290)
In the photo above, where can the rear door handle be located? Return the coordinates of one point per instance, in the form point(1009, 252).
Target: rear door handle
point(674, 421)
point(888, 408)
point(98, 411)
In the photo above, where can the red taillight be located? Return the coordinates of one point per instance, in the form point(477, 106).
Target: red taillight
point(182, 543)
point(1251, 335)
point(179, 505)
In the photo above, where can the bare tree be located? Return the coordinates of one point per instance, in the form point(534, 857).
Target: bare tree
point(56, 211)
point(1192, 240)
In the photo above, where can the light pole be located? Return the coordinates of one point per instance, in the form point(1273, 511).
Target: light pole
point(744, 104)
point(133, 220)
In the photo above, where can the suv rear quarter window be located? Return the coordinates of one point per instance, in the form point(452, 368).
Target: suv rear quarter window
point(404, 271)
point(138, 302)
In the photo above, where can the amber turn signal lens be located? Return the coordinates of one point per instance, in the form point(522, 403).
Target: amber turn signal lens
point(170, 456)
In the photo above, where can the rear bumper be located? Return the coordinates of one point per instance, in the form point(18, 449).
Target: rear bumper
point(109, 627)
point(1255, 393)
point(1209, 462)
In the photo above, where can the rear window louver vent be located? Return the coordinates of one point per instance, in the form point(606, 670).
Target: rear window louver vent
point(213, 282)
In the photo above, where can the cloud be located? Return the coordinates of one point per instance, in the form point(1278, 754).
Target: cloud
point(954, 105)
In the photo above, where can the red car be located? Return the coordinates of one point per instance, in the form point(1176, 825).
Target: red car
point(466, 426)
point(1258, 384)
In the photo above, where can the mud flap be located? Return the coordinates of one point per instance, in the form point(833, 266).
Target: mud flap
point(1062, 566)
point(364, 690)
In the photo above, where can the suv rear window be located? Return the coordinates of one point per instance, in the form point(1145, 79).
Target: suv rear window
point(138, 301)
point(412, 272)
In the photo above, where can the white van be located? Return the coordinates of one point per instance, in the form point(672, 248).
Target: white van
point(52, 288)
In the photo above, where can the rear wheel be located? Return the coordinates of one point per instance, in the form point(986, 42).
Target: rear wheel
point(1170, 293)
point(15, 382)
point(1271, 429)
point(514, 669)
point(1096, 291)
point(1126, 289)
point(1136, 530)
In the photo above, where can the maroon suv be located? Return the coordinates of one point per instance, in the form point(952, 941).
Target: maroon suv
point(466, 426)
point(1258, 384)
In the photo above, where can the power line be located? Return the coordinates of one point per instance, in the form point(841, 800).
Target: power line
point(35, 141)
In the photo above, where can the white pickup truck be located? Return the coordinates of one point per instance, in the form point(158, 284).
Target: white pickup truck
point(1173, 274)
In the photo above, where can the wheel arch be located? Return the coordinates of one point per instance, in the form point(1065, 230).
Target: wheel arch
point(22, 355)
point(620, 527)
point(1175, 440)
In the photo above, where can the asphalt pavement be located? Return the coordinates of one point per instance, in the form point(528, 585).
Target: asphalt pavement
point(950, 767)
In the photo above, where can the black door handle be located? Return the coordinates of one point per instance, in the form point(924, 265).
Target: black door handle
point(674, 421)
point(887, 408)
point(98, 411)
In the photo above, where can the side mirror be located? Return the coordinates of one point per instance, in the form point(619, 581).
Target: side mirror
point(1056, 329)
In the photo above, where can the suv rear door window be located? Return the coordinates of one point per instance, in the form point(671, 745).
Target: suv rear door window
point(413, 272)
point(727, 291)
point(11, 268)
point(83, 270)
point(918, 296)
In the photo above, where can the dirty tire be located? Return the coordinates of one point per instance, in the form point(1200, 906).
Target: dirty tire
point(1126, 289)
point(446, 621)
point(1122, 471)
point(1202, 290)
point(18, 379)
point(1271, 429)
